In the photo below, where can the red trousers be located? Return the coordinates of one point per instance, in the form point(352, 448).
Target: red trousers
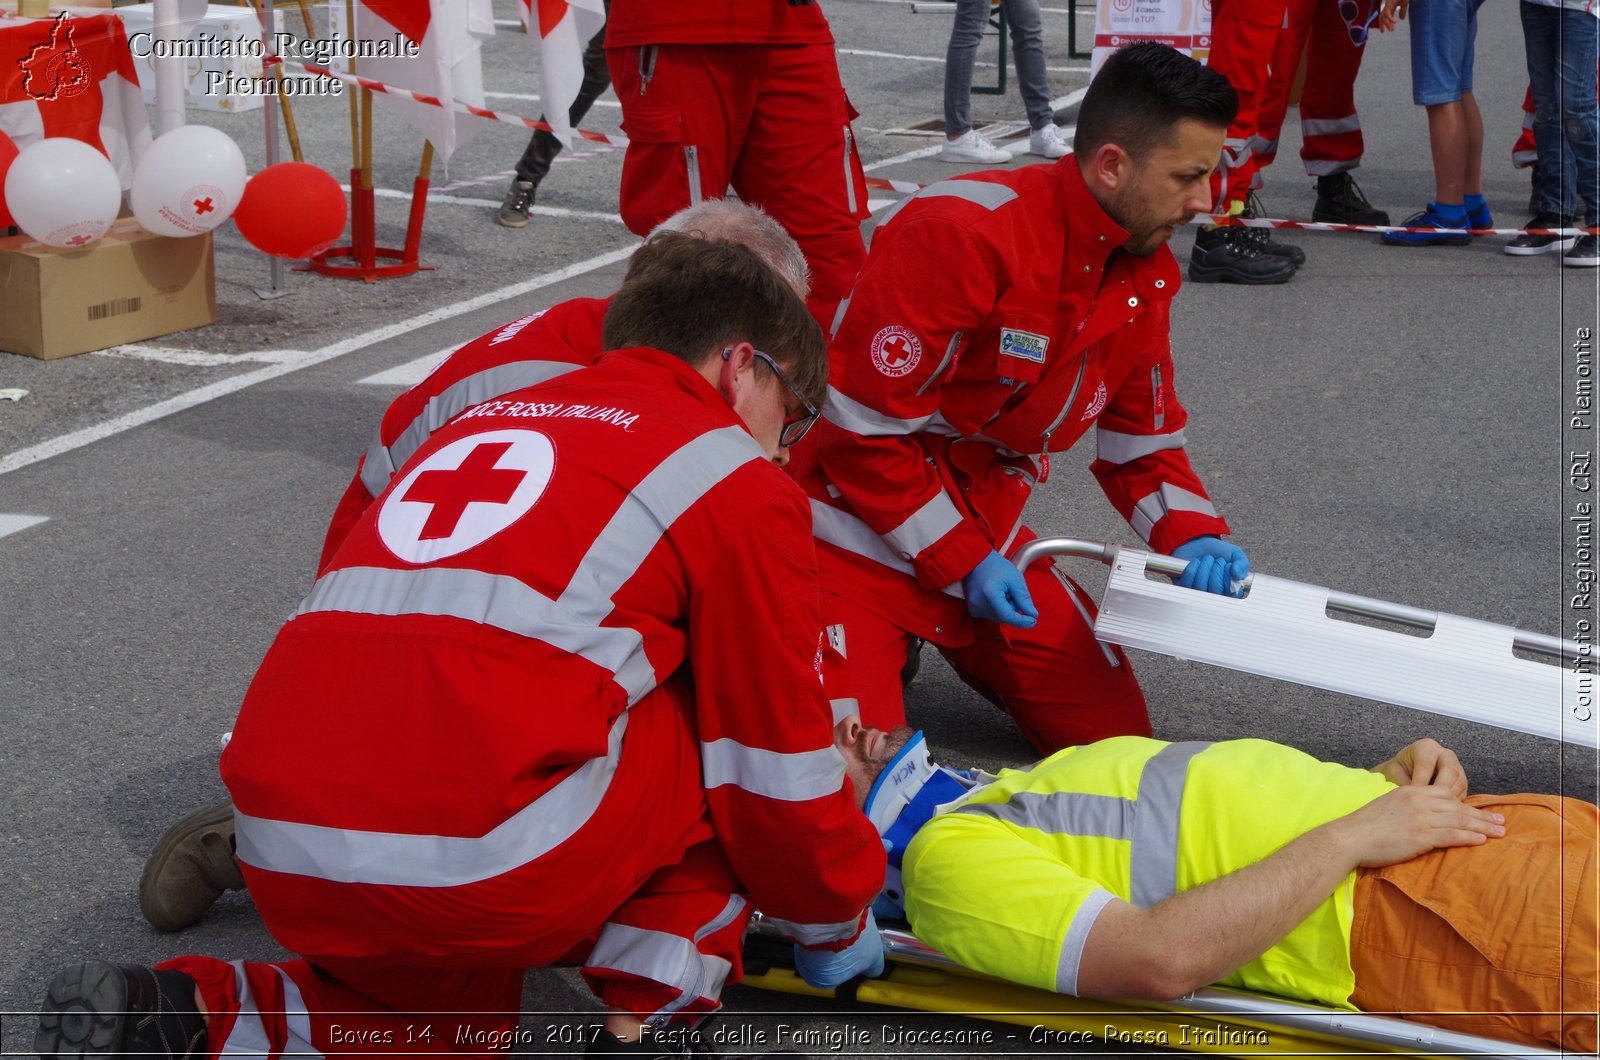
point(1256, 45)
point(1060, 685)
point(770, 121)
point(640, 896)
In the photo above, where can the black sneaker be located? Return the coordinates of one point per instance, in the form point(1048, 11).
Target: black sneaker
point(518, 203)
point(1261, 238)
point(1585, 253)
point(102, 1009)
point(1228, 255)
point(1527, 243)
point(1340, 202)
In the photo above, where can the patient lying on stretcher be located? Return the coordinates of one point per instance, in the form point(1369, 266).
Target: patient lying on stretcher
point(1132, 868)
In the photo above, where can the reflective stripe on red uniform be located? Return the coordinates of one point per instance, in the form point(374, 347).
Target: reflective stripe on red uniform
point(430, 737)
point(517, 354)
point(993, 319)
point(1244, 39)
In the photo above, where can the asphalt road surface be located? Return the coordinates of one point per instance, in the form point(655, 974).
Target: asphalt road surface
point(1394, 423)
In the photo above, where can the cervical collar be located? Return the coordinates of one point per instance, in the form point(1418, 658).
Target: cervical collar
point(901, 801)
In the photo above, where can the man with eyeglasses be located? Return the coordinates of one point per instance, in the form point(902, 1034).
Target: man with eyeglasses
point(999, 318)
point(555, 698)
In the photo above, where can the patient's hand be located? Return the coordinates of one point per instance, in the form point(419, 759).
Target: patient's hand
point(1410, 821)
point(1426, 762)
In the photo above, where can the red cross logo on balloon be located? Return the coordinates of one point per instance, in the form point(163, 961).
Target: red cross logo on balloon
point(895, 350)
point(203, 205)
point(465, 493)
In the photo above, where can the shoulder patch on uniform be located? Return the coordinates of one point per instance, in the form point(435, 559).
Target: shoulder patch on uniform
point(1023, 344)
point(895, 350)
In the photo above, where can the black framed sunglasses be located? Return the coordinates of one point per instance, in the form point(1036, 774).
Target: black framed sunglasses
point(1350, 11)
point(796, 425)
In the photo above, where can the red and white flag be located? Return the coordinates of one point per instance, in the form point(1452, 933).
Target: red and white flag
point(563, 29)
point(449, 35)
point(76, 78)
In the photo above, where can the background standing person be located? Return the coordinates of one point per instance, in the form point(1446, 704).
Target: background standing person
point(1444, 35)
point(543, 146)
point(1563, 44)
point(742, 94)
point(962, 142)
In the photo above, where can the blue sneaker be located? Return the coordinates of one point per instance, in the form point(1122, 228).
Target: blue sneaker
point(1480, 218)
point(1429, 218)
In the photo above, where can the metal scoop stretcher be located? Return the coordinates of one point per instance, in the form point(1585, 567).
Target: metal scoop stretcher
point(1459, 667)
point(1210, 1020)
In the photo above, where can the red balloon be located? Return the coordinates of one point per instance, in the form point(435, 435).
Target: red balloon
point(8, 151)
point(291, 210)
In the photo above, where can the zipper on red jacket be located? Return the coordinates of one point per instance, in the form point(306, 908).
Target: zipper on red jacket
point(647, 66)
point(1066, 407)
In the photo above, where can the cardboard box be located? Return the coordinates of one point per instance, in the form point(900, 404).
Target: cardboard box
point(129, 286)
point(222, 29)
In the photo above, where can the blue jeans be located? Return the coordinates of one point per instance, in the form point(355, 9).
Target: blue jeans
point(1563, 47)
point(1027, 47)
point(1444, 34)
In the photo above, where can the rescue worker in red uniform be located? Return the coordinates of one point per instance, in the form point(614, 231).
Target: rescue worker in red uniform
point(742, 94)
point(996, 320)
point(487, 698)
point(193, 863)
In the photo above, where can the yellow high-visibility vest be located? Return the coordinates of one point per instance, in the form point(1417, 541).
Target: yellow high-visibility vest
point(1008, 880)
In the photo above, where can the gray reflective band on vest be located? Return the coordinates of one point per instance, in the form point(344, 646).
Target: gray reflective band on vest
point(395, 860)
point(1148, 822)
point(1114, 447)
point(496, 600)
point(382, 462)
point(672, 488)
point(989, 196)
point(1153, 507)
point(796, 777)
point(845, 531)
point(1153, 866)
point(1329, 126)
point(815, 934)
point(670, 960)
point(850, 414)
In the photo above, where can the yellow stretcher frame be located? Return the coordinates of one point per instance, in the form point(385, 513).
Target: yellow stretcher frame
point(1213, 1020)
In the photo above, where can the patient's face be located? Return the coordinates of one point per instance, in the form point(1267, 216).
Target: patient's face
point(867, 751)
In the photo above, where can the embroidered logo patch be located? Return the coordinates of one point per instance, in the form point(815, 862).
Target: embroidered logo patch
point(1098, 404)
point(1023, 344)
point(896, 350)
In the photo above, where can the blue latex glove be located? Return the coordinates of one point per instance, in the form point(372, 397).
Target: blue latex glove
point(996, 591)
point(826, 969)
point(1215, 566)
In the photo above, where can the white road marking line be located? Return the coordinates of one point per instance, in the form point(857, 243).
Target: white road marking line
point(1059, 103)
point(940, 60)
point(462, 200)
point(412, 372)
point(65, 443)
point(534, 98)
point(11, 524)
point(197, 358)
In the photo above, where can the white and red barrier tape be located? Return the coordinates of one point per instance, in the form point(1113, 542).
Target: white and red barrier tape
point(906, 186)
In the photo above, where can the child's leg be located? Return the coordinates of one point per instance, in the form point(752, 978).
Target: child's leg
point(1472, 118)
point(1448, 137)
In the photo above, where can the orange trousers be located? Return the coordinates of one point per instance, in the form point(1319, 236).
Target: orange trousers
point(1498, 939)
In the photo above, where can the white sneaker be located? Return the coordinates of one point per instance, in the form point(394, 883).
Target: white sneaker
point(971, 146)
point(1047, 142)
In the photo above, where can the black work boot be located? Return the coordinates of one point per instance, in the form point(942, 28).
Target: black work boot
point(189, 869)
point(1340, 202)
point(1228, 255)
point(102, 1009)
point(518, 203)
point(1261, 238)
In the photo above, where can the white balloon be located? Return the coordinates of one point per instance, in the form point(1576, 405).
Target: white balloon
point(63, 192)
point(188, 182)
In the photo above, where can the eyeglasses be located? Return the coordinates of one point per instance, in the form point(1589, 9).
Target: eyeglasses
point(796, 425)
point(1350, 11)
